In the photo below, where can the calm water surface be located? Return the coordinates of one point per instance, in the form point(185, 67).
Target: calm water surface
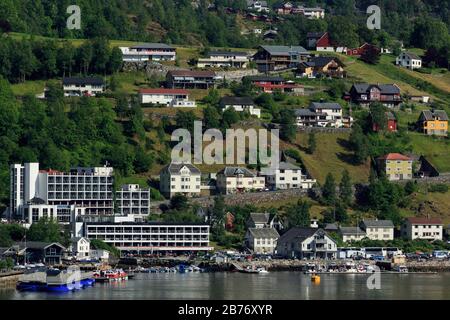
point(271, 286)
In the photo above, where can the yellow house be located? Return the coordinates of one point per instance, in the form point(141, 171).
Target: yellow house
point(433, 122)
point(396, 166)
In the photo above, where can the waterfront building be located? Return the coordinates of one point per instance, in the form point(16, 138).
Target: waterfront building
point(151, 236)
point(238, 179)
point(378, 229)
point(349, 234)
point(132, 199)
point(50, 253)
point(77, 87)
point(88, 188)
point(148, 52)
point(180, 178)
point(423, 228)
point(36, 209)
point(309, 243)
point(396, 166)
point(261, 240)
point(166, 97)
point(80, 248)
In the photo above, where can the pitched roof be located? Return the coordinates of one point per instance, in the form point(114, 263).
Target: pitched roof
point(264, 233)
point(331, 227)
point(322, 61)
point(423, 220)
point(190, 73)
point(384, 88)
point(258, 217)
point(287, 166)
point(395, 156)
point(163, 91)
point(265, 78)
point(175, 168)
point(325, 105)
point(435, 114)
point(299, 234)
point(351, 231)
point(411, 55)
point(234, 171)
point(96, 81)
point(37, 245)
point(304, 113)
point(227, 53)
point(152, 46)
point(378, 223)
point(76, 239)
point(236, 101)
point(390, 116)
point(316, 35)
point(284, 50)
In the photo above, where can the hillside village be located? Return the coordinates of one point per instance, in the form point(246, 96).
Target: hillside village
point(364, 146)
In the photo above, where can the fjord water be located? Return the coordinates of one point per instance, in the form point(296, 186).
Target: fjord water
point(271, 286)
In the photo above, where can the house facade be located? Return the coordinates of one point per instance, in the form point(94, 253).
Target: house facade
point(238, 179)
point(391, 123)
point(270, 58)
point(321, 66)
point(288, 176)
point(77, 87)
point(308, 243)
point(148, 52)
point(320, 41)
point(320, 114)
point(433, 122)
point(350, 234)
point(409, 60)
point(80, 248)
point(396, 166)
point(364, 94)
point(132, 199)
point(166, 97)
point(378, 229)
point(261, 240)
point(258, 6)
point(187, 79)
point(268, 84)
point(180, 178)
point(222, 59)
point(423, 228)
point(240, 104)
point(362, 50)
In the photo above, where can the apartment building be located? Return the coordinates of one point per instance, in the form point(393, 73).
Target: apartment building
point(240, 104)
point(151, 237)
point(224, 59)
point(89, 188)
point(77, 87)
point(132, 199)
point(396, 166)
point(180, 178)
point(149, 52)
point(187, 79)
point(423, 228)
point(166, 97)
point(287, 176)
point(261, 240)
point(378, 229)
point(349, 234)
point(238, 179)
point(433, 122)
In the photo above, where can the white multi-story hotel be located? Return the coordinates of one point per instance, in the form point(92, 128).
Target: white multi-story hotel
point(288, 176)
point(423, 228)
point(36, 209)
point(89, 188)
point(149, 52)
point(131, 199)
point(166, 97)
point(180, 178)
point(237, 179)
point(76, 87)
point(151, 236)
point(220, 59)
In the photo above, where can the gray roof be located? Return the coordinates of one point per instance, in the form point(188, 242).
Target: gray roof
point(36, 245)
point(175, 168)
point(378, 223)
point(299, 234)
point(264, 233)
point(411, 55)
point(385, 88)
point(247, 101)
point(152, 46)
point(285, 50)
point(322, 61)
point(76, 239)
point(250, 2)
point(258, 217)
point(434, 114)
point(227, 53)
point(265, 78)
point(304, 113)
point(80, 81)
point(324, 105)
point(287, 166)
point(351, 231)
point(390, 116)
point(331, 227)
point(233, 171)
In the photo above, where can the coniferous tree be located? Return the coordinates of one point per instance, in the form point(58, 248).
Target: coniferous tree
point(346, 189)
point(329, 190)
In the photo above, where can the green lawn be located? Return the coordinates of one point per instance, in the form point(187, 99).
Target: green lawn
point(436, 150)
point(29, 87)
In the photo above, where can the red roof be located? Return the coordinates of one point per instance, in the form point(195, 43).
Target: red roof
point(395, 156)
point(420, 220)
point(163, 91)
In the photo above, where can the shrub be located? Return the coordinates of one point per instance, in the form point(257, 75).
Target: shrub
point(442, 188)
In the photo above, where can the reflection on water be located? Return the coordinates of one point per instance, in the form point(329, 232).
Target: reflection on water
point(271, 286)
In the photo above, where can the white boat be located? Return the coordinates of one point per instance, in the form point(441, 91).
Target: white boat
point(350, 267)
point(401, 269)
point(262, 270)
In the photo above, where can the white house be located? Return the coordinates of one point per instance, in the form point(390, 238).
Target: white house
point(328, 112)
point(77, 87)
point(352, 234)
point(423, 228)
point(132, 199)
point(80, 248)
point(287, 176)
point(238, 179)
point(240, 104)
point(148, 52)
point(409, 60)
point(310, 13)
point(166, 97)
point(180, 178)
point(258, 6)
point(308, 243)
point(100, 255)
point(261, 240)
point(220, 59)
point(378, 229)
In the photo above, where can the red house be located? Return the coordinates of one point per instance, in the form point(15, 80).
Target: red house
point(391, 123)
point(362, 49)
point(229, 221)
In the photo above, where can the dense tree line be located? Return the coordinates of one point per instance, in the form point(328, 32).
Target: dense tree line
point(45, 59)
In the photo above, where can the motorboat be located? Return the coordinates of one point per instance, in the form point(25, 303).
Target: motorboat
point(401, 269)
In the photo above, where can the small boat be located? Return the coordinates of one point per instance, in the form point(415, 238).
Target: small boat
point(262, 270)
point(350, 267)
point(249, 270)
point(310, 268)
point(401, 269)
point(315, 278)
